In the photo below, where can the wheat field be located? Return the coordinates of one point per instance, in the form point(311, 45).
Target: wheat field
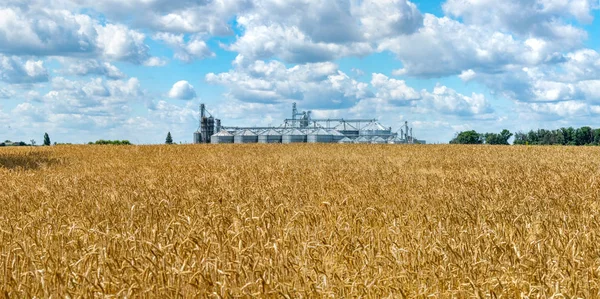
point(300, 221)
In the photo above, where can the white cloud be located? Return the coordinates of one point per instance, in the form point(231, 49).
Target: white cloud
point(155, 62)
point(447, 47)
point(5, 93)
point(395, 92)
point(84, 67)
point(447, 100)
point(314, 85)
point(194, 48)
point(44, 31)
point(182, 90)
point(14, 71)
point(120, 43)
point(541, 18)
point(301, 31)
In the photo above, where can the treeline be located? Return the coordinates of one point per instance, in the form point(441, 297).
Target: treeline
point(15, 143)
point(111, 142)
point(562, 136)
point(472, 137)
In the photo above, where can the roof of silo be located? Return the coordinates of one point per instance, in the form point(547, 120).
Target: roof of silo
point(270, 132)
point(246, 133)
point(320, 132)
point(375, 126)
point(223, 133)
point(345, 140)
point(362, 139)
point(335, 132)
point(294, 132)
point(377, 139)
point(345, 127)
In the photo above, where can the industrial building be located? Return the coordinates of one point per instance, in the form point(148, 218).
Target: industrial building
point(302, 128)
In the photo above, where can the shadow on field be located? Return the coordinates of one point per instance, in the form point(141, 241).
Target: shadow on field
point(27, 161)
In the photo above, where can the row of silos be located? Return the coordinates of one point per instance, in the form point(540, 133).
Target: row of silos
point(294, 135)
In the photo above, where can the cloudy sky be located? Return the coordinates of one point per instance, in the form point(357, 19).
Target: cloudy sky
point(84, 70)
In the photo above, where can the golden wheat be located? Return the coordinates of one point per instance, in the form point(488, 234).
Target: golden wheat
point(299, 221)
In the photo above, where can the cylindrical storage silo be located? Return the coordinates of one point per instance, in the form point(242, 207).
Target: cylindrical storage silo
point(378, 140)
point(348, 130)
point(293, 136)
point(269, 136)
point(197, 137)
point(375, 129)
point(319, 136)
point(245, 136)
point(221, 137)
point(337, 136)
point(346, 140)
point(362, 139)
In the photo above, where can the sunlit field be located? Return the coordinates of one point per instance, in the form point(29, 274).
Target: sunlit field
point(299, 221)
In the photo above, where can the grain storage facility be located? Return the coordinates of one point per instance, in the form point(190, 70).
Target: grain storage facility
point(303, 128)
point(319, 136)
point(245, 136)
point(293, 136)
point(270, 136)
point(222, 137)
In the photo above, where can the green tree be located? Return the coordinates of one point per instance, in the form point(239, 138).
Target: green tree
point(46, 139)
point(169, 139)
point(468, 137)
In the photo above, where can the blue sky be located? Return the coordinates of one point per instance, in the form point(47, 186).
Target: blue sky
point(111, 69)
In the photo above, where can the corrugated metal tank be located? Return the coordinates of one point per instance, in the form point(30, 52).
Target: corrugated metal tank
point(378, 140)
point(245, 136)
point(270, 136)
point(375, 129)
point(348, 130)
point(337, 136)
point(362, 139)
point(319, 136)
point(293, 136)
point(346, 140)
point(197, 137)
point(221, 137)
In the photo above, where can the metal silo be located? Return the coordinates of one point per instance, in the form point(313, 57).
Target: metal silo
point(362, 139)
point(197, 137)
point(346, 140)
point(337, 136)
point(375, 129)
point(319, 136)
point(378, 140)
point(347, 129)
point(221, 137)
point(245, 136)
point(269, 136)
point(293, 136)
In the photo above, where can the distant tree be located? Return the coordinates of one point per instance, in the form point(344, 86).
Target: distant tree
point(468, 137)
point(46, 139)
point(169, 139)
point(32, 142)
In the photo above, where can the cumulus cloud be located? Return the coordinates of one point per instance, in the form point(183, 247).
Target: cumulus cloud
point(33, 30)
point(84, 67)
point(394, 91)
point(447, 100)
point(307, 31)
point(525, 17)
point(446, 47)
point(14, 70)
point(182, 90)
point(96, 97)
point(315, 85)
point(5, 93)
point(194, 48)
